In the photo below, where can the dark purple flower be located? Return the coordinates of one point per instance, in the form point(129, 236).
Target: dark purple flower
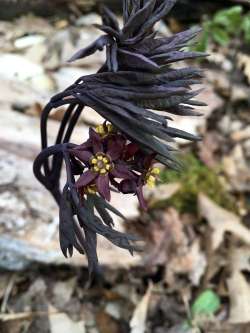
point(102, 158)
point(148, 174)
point(129, 186)
point(108, 158)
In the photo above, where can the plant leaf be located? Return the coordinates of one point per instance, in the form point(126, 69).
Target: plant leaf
point(207, 303)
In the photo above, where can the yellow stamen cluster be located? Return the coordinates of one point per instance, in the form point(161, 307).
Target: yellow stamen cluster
point(101, 164)
point(151, 176)
point(91, 189)
point(104, 130)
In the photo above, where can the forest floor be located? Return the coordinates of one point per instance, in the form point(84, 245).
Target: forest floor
point(194, 275)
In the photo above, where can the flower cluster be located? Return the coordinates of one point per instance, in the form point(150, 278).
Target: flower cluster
point(108, 160)
point(136, 90)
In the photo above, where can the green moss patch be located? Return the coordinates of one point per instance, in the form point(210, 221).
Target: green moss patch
point(195, 177)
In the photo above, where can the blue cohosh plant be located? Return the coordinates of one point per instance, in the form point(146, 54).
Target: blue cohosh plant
point(119, 155)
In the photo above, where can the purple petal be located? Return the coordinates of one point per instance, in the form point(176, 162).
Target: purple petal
point(122, 171)
point(84, 146)
point(127, 186)
point(85, 179)
point(93, 135)
point(115, 148)
point(97, 147)
point(131, 150)
point(82, 155)
point(102, 183)
point(141, 199)
point(96, 141)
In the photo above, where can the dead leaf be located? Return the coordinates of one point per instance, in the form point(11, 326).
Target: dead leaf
point(212, 99)
point(61, 24)
point(161, 192)
point(239, 290)
point(220, 59)
point(184, 256)
point(166, 233)
point(63, 291)
point(138, 321)
point(198, 263)
point(60, 322)
point(220, 81)
point(106, 323)
point(241, 135)
point(240, 259)
point(236, 168)
point(207, 149)
point(14, 326)
point(35, 110)
point(189, 260)
point(244, 63)
point(171, 246)
point(222, 221)
point(175, 226)
point(239, 93)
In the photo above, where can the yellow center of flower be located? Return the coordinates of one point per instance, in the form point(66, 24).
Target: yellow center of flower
point(100, 163)
point(91, 189)
point(151, 176)
point(104, 130)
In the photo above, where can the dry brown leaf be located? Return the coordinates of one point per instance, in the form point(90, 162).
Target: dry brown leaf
point(240, 259)
point(36, 109)
point(63, 291)
point(198, 263)
point(60, 322)
point(244, 62)
point(236, 168)
point(239, 290)
point(222, 221)
point(174, 249)
point(207, 149)
point(106, 323)
point(220, 81)
point(166, 234)
point(175, 227)
point(241, 135)
point(161, 192)
point(240, 92)
point(189, 260)
point(138, 321)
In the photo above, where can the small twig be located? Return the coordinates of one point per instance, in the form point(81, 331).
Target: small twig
point(25, 315)
point(7, 293)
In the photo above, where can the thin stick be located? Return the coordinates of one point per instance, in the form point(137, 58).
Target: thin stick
point(25, 315)
point(7, 293)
